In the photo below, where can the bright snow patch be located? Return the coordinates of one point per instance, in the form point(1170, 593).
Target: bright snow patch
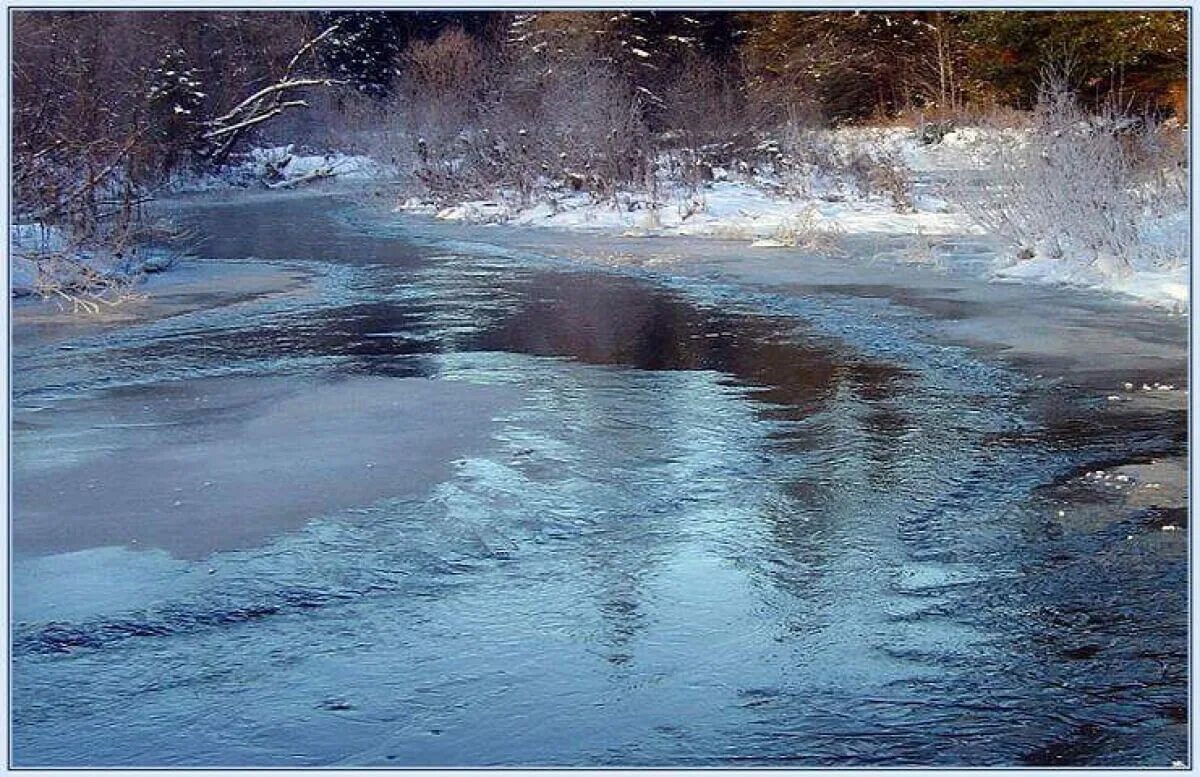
point(1163, 287)
point(283, 167)
point(758, 209)
point(729, 210)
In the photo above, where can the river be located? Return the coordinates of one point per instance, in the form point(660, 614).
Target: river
point(420, 496)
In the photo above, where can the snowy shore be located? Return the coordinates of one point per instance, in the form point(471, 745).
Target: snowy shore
point(767, 209)
point(43, 258)
point(756, 209)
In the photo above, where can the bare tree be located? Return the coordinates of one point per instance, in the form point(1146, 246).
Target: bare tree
point(265, 104)
point(106, 106)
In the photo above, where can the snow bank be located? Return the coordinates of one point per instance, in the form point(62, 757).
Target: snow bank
point(758, 208)
point(24, 242)
point(43, 257)
point(964, 148)
point(284, 167)
point(1165, 288)
point(961, 148)
point(1158, 276)
point(729, 210)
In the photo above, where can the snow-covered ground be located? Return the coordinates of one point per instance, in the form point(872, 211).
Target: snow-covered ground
point(724, 209)
point(764, 207)
point(1150, 279)
point(43, 258)
point(756, 209)
point(282, 167)
point(24, 242)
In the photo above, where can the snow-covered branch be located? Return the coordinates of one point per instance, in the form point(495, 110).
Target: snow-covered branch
point(258, 119)
point(266, 103)
point(295, 83)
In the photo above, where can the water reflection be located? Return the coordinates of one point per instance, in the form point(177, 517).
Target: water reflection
point(704, 537)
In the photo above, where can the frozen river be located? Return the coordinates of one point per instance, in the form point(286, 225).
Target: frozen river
point(431, 503)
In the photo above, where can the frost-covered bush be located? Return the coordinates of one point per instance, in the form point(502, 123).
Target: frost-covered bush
point(1100, 190)
point(476, 124)
point(879, 169)
point(823, 162)
point(809, 231)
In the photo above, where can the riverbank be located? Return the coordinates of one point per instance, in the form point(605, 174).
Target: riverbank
point(936, 194)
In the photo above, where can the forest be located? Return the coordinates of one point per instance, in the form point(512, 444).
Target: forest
point(112, 109)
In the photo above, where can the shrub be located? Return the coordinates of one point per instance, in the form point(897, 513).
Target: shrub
point(1084, 188)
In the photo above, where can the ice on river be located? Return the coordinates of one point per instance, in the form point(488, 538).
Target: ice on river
point(487, 510)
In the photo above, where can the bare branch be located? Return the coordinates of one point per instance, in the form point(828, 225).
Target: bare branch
point(294, 83)
point(265, 104)
point(308, 47)
point(273, 112)
point(92, 181)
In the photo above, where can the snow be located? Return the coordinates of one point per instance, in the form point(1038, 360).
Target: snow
point(30, 242)
point(283, 167)
point(1158, 275)
point(758, 210)
point(725, 209)
point(24, 241)
point(754, 208)
point(1162, 287)
point(346, 166)
point(29, 238)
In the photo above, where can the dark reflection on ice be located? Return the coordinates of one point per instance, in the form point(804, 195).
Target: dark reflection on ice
point(704, 537)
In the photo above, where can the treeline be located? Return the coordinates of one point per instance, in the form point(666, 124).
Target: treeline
point(109, 104)
point(607, 100)
point(881, 63)
point(841, 65)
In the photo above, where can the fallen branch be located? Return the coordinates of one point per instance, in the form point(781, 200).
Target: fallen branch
point(65, 278)
point(315, 175)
